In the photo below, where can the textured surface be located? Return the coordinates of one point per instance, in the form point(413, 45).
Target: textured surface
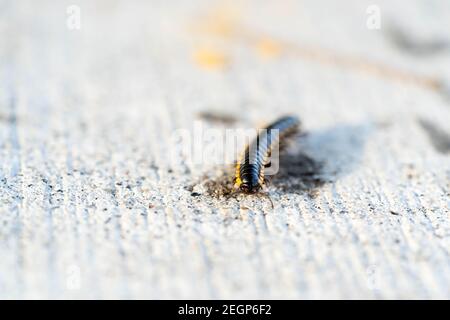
point(93, 205)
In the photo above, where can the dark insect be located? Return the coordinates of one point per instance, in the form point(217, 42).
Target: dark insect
point(256, 157)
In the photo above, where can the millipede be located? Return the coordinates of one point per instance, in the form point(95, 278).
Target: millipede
point(250, 176)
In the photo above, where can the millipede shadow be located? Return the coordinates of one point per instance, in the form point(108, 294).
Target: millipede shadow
point(299, 173)
point(321, 157)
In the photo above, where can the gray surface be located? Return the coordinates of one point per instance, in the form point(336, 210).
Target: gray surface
point(92, 205)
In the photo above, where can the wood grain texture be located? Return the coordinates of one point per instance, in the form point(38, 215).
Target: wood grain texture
point(93, 206)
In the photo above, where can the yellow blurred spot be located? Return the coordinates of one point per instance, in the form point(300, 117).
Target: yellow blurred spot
point(222, 22)
point(221, 26)
point(209, 58)
point(269, 48)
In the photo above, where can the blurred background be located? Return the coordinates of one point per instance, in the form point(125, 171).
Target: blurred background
point(91, 206)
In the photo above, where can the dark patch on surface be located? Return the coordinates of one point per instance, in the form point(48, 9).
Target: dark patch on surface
point(221, 185)
point(195, 194)
point(408, 43)
point(439, 139)
point(216, 117)
point(323, 156)
point(394, 213)
point(299, 173)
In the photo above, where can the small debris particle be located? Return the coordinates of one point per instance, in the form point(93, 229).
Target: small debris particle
point(216, 117)
point(195, 194)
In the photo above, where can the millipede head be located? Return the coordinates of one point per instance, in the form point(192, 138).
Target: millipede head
point(248, 186)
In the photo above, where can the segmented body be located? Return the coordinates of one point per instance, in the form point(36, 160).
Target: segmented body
point(250, 168)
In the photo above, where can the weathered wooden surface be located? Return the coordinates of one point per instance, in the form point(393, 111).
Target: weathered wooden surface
point(91, 206)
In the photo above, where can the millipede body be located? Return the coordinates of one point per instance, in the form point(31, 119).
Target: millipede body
point(256, 156)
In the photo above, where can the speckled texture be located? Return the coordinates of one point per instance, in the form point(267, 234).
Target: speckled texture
point(93, 206)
